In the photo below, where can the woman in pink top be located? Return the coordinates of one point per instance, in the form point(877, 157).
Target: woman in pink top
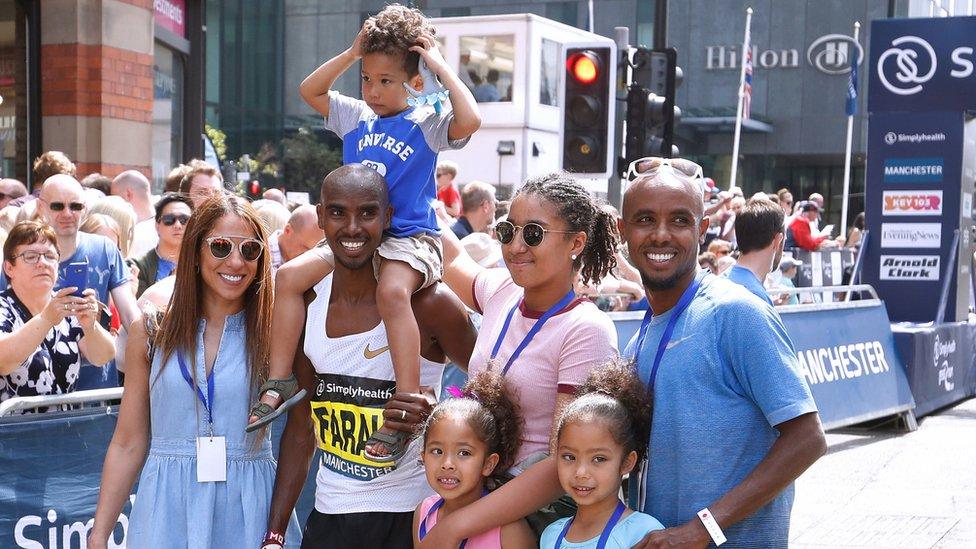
point(535, 331)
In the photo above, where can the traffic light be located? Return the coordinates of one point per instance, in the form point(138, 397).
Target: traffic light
point(651, 112)
point(254, 189)
point(587, 104)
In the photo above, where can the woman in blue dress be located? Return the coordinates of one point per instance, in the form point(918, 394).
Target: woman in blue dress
point(203, 482)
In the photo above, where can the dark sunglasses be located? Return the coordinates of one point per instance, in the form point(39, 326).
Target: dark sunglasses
point(222, 246)
point(59, 206)
point(532, 233)
point(170, 219)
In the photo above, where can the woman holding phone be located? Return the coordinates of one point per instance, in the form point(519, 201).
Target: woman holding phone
point(204, 482)
point(44, 333)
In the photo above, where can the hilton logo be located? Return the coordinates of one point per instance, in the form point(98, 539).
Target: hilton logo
point(829, 54)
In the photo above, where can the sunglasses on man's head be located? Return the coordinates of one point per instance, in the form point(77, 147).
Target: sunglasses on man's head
point(60, 206)
point(222, 246)
point(532, 233)
point(651, 165)
point(170, 219)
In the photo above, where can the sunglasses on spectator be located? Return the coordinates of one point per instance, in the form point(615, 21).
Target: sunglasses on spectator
point(222, 246)
point(31, 258)
point(650, 165)
point(170, 219)
point(4, 196)
point(532, 233)
point(60, 206)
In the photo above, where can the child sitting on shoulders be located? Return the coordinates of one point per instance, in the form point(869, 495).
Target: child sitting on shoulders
point(468, 439)
point(601, 436)
point(401, 143)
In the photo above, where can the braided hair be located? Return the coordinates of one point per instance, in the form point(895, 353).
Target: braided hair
point(582, 214)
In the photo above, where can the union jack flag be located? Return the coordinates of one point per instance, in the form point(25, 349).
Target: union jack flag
point(747, 83)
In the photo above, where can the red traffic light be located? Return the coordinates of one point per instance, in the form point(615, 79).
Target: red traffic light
point(255, 189)
point(584, 67)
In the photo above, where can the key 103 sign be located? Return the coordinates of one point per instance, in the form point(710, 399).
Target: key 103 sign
point(912, 203)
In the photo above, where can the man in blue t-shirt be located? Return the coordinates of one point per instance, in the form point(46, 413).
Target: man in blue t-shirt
point(759, 230)
point(734, 424)
point(61, 205)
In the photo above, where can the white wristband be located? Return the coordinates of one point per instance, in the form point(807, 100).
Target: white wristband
point(718, 538)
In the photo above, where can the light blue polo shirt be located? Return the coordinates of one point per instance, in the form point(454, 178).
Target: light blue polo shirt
point(727, 377)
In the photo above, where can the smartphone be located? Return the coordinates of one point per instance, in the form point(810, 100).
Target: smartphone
point(76, 274)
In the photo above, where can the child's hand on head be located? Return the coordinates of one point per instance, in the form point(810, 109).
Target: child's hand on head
point(431, 54)
point(356, 49)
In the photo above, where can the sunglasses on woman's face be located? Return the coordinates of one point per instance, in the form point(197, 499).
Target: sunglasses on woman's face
point(60, 206)
point(170, 219)
point(222, 246)
point(532, 233)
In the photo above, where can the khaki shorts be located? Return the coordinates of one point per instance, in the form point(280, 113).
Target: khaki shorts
point(422, 252)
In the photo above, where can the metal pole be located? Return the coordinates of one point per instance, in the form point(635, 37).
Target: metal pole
point(847, 157)
point(858, 262)
point(661, 24)
point(622, 82)
point(738, 109)
point(947, 279)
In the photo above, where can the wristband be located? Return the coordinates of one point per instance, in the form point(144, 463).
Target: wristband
point(273, 540)
point(718, 538)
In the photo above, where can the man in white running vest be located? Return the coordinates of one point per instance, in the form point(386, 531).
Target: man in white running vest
point(347, 371)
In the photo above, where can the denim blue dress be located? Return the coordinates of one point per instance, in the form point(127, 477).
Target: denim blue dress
point(172, 509)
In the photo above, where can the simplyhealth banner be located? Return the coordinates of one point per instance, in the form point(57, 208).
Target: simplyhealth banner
point(50, 472)
point(847, 357)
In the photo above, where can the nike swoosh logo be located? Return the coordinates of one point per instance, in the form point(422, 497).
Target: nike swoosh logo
point(676, 342)
point(370, 355)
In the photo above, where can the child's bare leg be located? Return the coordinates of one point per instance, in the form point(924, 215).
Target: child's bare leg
point(292, 280)
point(397, 283)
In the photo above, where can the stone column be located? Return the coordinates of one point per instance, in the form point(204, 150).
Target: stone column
point(97, 83)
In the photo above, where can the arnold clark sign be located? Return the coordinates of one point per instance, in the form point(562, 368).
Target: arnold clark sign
point(911, 235)
point(910, 267)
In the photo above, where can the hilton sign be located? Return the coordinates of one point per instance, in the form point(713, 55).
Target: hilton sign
point(830, 54)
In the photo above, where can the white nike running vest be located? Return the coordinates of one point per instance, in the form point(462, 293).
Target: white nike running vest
point(354, 379)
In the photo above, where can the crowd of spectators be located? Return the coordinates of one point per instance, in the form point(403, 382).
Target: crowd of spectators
point(131, 238)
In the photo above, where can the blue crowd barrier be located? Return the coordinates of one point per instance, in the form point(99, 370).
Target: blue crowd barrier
point(50, 473)
point(941, 362)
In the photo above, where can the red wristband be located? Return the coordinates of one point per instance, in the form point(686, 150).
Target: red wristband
point(273, 538)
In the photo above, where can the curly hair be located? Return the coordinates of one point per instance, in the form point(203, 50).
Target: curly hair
point(581, 213)
point(614, 395)
point(51, 163)
point(491, 412)
point(393, 31)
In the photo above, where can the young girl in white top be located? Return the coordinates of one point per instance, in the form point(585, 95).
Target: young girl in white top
point(600, 438)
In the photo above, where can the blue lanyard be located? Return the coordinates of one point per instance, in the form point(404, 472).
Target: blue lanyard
point(208, 401)
point(562, 304)
point(606, 529)
point(433, 509)
point(683, 302)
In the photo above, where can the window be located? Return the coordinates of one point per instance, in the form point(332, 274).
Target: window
point(13, 92)
point(565, 12)
point(167, 140)
point(549, 73)
point(645, 23)
point(455, 12)
point(486, 67)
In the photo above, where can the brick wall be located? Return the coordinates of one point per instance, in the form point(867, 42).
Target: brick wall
point(103, 81)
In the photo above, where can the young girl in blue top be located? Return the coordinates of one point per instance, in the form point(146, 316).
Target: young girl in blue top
point(601, 437)
point(468, 439)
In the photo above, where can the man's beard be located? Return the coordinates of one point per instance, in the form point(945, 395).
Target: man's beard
point(667, 283)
